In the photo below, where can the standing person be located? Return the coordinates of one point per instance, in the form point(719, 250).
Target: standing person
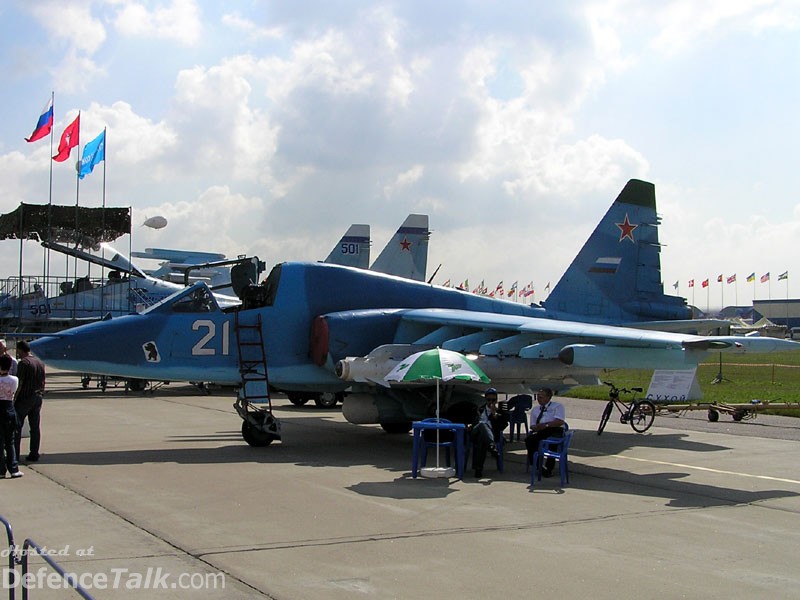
point(4, 352)
point(489, 427)
point(8, 420)
point(28, 402)
point(547, 421)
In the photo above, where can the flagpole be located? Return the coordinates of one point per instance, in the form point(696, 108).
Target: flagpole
point(103, 223)
point(77, 234)
point(721, 293)
point(46, 257)
point(787, 300)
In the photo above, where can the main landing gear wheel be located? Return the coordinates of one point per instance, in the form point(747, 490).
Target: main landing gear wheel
point(328, 399)
point(713, 415)
point(641, 415)
point(137, 385)
point(396, 428)
point(297, 399)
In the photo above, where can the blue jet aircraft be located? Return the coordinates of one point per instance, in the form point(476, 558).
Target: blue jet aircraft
point(319, 328)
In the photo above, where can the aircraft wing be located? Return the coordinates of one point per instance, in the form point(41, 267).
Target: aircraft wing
point(115, 261)
point(573, 343)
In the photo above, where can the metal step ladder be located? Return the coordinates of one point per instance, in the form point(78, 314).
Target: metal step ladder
point(254, 404)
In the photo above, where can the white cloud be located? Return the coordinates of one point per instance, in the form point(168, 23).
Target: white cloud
point(236, 21)
point(71, 23)
point(209, 222)
point(180, 21)
point(218, 123)
point(73, 27)
point(404, 179)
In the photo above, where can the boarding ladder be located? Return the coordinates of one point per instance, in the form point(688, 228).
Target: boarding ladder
point(254, 403)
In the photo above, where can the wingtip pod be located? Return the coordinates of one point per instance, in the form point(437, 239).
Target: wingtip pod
point(756, 345)
point(638, 193)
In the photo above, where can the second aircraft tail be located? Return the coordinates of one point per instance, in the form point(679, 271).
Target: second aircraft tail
point(616, 277)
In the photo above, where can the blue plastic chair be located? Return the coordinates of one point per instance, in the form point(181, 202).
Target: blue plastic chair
point(446, 441)
point(553, 447)
point(498, 444)
point(518, 408)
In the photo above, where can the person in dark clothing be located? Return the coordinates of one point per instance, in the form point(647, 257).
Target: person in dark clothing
point(486, 431)
point(8, 420)
point(28, 400)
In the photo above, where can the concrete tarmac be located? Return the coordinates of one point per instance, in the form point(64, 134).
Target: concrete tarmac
point(132, 483)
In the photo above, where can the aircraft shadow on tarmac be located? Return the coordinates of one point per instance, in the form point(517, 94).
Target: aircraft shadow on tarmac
point(612, 442)
point(320, 442)
point(670, 485)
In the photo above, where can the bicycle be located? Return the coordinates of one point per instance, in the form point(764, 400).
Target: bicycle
point(639, 414)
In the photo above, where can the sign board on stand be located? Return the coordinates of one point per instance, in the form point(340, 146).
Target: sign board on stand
point(674, 386)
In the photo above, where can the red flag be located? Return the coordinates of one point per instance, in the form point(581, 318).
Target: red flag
point(69, 139)
point(719, 278)
point(705, 283)
point(691, 283)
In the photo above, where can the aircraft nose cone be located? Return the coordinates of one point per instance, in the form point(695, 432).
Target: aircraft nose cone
point(48, 348)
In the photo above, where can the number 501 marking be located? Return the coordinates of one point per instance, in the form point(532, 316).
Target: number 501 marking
point(200, 348)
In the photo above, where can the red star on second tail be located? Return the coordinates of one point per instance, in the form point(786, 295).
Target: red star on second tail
point(626, 229)
point(405, 244)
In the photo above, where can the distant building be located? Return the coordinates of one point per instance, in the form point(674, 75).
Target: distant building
point(780, 312)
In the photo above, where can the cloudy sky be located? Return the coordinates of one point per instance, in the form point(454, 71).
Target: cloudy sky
point(267, 127)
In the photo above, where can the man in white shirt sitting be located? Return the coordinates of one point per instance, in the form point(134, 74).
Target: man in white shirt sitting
point(547, 420)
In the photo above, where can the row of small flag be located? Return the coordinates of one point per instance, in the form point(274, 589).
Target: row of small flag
point(498, 291)
point(732, 279)
point(93, 153)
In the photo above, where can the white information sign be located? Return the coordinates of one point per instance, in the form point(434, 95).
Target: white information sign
point(674, 386)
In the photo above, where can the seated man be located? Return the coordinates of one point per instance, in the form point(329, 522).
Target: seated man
point(488, 428)
point(547, 420)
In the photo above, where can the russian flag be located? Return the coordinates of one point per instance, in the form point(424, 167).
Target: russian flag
point(606, 264)
point(45, 123)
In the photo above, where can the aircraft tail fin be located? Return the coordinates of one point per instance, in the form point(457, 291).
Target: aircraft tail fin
point(616, 277)
point(406, 254)
point(353, 249)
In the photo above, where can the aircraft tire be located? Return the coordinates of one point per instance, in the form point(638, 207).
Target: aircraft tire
point(396, 428)
point(137, 385)
point(713, 415)
point(254, 437)
point(328, 399)
point(297, 399)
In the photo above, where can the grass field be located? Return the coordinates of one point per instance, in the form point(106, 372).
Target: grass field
point(773, 377)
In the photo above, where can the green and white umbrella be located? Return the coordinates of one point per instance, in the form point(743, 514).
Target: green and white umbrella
point(437, 365)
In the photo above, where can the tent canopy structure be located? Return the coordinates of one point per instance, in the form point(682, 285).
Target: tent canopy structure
point(85, 226)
